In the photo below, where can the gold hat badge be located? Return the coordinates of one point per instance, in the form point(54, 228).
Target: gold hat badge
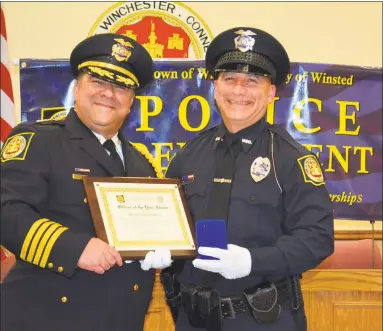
point(122, 50)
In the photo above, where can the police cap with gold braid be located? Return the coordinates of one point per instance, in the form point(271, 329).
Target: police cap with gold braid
point(114, 58)
point(248, 50)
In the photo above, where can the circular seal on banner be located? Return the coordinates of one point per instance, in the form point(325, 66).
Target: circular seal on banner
point(165, 29)
point(14, 147)
point(313, 169)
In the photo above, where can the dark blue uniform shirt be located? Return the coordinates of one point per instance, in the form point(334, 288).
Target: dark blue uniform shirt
point(46, 223)
point(285, 219)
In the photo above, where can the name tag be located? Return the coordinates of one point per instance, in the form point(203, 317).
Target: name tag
point(81, 170)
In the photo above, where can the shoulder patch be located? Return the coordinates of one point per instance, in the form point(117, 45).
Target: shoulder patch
point(311, 170)
point(16, 147)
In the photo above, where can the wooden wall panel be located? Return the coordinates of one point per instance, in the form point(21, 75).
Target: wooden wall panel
point(159, 317)
point(358, 316)
point(343, 300)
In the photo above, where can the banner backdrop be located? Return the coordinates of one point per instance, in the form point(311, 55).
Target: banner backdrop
point(335, 111)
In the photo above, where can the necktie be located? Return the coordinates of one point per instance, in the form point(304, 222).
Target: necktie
point(219, 196)
point(233, 143)
point(111, 147)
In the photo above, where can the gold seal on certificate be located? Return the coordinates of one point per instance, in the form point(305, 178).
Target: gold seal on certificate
point(136, 215)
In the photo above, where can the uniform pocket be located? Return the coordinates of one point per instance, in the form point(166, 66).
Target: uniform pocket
point(256, 215)
point(255, 196)
point(196, 195)
point(195, 188)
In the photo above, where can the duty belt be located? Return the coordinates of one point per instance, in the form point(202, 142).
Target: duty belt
point(232, 306)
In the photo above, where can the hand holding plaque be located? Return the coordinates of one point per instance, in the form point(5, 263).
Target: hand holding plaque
point(138, 215)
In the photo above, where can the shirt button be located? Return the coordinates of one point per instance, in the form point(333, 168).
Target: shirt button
point(50, 265)
point(64, 299)
point(60, 269)
point(85, 200)
point(136, 287)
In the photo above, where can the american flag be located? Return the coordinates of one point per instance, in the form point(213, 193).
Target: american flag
point(7, 103)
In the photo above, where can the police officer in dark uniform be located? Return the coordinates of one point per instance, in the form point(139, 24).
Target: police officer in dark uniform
point(65, 278)
point(268, 189)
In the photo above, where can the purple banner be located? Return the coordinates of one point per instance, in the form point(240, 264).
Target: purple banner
point(335, 111)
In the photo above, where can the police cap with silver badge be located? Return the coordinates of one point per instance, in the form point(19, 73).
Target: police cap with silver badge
point(114, 58)
point(248, 50)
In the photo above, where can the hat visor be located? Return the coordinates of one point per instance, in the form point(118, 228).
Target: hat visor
point(110, 73)
point(243, 68)
point(257, 63)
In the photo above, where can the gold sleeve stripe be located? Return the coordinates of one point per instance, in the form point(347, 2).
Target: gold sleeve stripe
point(50, 244)
point(43, 242)
point(36, 238)
point(30, 234)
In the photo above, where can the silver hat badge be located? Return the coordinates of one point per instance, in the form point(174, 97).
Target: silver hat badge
point(244, 42)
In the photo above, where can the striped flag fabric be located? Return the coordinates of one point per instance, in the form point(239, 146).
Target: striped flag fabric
point(7, 101)
point(7, 109)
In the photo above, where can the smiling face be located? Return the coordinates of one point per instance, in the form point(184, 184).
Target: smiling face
point(100, 105)
point(242, 98)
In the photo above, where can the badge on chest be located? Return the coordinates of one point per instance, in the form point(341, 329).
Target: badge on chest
point(260, 168)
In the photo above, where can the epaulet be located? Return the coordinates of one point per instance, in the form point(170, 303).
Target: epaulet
point(200, 135)
point(149, 157)
point(58, 121)
point(280, 131)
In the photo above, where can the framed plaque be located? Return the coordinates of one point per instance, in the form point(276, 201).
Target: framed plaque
point(136, 215)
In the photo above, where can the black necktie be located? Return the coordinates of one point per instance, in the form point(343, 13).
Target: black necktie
point(233, 143)
point(111, 147)
point(219, 196)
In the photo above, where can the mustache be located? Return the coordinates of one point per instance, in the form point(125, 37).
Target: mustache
point(105, 103)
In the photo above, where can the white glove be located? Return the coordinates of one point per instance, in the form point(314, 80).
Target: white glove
point(233, 262)
point(159, 259)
